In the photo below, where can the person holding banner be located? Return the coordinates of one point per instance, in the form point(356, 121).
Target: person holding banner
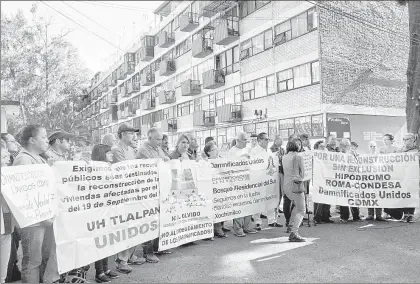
point(122, 152)
point(344, 210)
point(151, 149)
point(212, 152)
point(388, 147)
point(103, 153)
point(36, 239)
point(276, 148)
point(59, 145)
point(243, 225)
point(5, 222)
point(294, 173)
point(260, 151)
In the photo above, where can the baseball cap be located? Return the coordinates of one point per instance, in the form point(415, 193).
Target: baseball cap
point(125, 128)
point(61, 135)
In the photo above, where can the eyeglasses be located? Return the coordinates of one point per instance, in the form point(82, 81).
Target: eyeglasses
point(407, 139)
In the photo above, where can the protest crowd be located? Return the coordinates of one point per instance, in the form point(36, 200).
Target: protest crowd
point(33, 145)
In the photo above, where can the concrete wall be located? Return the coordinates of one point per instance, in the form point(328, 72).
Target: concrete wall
point(361, 65)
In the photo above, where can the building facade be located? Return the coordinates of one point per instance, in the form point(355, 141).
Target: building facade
point(219, 67)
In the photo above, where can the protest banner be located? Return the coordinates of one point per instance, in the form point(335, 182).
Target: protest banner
point(241, 187)
point(104, 209)
point(186, 210)
point(307, 164)
point(29, 192)
point(377, 181)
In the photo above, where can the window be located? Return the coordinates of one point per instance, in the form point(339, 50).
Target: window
point(249, 128)
point(248, 91)
point(157, 116)
point(303, 125)
point(257, 44)
point(228, 61)
point(286, 127)
point(185, 108)
point(176, 23)
point(246, 49)
point(272, 129)
point(299, 25)
point(271, 84)
point(221, 136)
point(317, 126)
point(282, 33)
point(183, 47)
point(302, 75)
point(248, 7)
point(260, 87)
point(268, 39)
point(197, 104)
point(285, 80)
point(315, 72)
point(220, 98)
point(312, 19)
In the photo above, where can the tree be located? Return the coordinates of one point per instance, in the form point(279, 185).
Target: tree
point(413, 69)
point(41, 71)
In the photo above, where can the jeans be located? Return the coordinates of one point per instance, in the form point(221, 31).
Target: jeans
point(287, 208)
point(345, 213)
point(101, 266)
point(243, 223)
point(148, 247)
point(5, 248)
point(372, 211)
point(321, 211)
point(36, 247)
point(299, 212)
point(218, 229)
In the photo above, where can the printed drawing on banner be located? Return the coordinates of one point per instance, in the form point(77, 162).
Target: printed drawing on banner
point(184, 190)
point(271, 168)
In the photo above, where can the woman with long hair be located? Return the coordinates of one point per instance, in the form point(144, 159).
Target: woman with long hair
point(294, 190)
point(212, 152)
point(102, 153)
point(181, 148)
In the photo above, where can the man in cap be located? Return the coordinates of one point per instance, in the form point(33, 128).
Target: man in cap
point(122, 152)
point(59, 145)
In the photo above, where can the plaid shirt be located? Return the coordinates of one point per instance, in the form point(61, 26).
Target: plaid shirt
point(147, 151)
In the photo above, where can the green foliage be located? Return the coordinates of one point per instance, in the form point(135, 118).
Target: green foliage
point(40, 70)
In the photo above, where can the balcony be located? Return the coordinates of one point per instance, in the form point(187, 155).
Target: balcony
point(229, 113)
point(226, 31)
point(211, 8)
point(188, 22)
point(167, 67)
point(213, 79)
point(148, 104)
point(114, 81)
point(131, 111)
point(133, 87)
point(166, 39)
point(122, 72)
point(114, 113)
point(190, 87)
point(124, 93)
point(169, 125)
point(131, 67)
point(147, 79)
point(204, 118)
point(104, 105)
point(147, 53)
point(167, 97)
point(201, 47)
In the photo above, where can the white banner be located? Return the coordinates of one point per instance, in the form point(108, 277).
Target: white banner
point(104, 209)
point(241, 187)
point(30, 193)
point(307, 163)
point(187, 214)
point(377, 181)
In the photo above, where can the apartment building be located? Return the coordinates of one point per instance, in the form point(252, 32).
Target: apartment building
point(219, 67)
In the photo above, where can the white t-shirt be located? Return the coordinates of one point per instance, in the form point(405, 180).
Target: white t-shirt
point(235, 152)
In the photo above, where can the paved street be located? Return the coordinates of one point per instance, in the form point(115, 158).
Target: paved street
point(387, 252)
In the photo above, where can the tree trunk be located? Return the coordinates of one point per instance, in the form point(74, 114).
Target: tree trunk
point(413, 71)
